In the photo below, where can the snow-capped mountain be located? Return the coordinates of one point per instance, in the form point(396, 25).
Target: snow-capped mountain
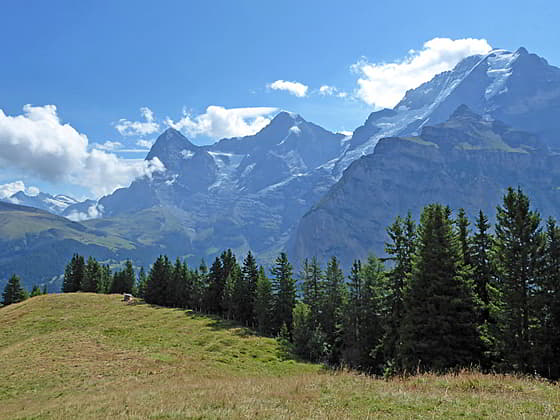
point(518, 88)
point(55, 204)
point(244, 193)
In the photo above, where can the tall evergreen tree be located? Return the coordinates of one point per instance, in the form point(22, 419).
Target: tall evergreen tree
point(264, 304)
point(400, 248)
point(284, 287)
point(332, 307)
point(463, 233)
point(13, 292)
point(438, 330)
point(250, 278)
point(158, 281)
point(518, 250)
point(313, 289)
point(74, 274)
point(123, 281)
point(215, 290)
point(142, 281)
point(92, 275)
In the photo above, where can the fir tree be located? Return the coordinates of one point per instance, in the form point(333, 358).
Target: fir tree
point(158, 281)
point(313, 289)
point(332, 308)
point(142, 282)
point(264, 304)
point(285, 292)
point(73, 274)
point(13, 292)
point(400, 248)
point(518, 243)
point(438, 330)
point(92, 275)
point(215, 290)
point(250, 277)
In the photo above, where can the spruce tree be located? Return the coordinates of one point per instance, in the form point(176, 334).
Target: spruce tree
point(142, 281)
point(284, 287)
point(158, 281)
point(438, 329)
point(74, 274)
point(92, 275)
point(264, 304)
point(215, 291)
point(400, 248)
point(250, 278)
point(518, 252)
point(332, 307)
point(13, 292)
point(313, 289)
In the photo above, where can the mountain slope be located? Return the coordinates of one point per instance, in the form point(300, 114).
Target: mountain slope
point(36, 244)
point(467, 162)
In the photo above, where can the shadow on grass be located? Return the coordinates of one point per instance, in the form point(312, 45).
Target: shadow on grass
point(284, 350)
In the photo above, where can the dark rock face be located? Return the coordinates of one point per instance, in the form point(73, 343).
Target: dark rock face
point(465, 162)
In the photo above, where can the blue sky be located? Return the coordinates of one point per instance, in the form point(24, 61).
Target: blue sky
point(106, 65)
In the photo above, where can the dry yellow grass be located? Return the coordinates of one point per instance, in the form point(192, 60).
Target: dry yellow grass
point(93, 356)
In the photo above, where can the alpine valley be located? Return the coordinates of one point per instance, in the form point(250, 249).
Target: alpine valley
point(460, 139)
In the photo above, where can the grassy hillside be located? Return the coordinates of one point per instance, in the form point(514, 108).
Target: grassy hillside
point(94, 356)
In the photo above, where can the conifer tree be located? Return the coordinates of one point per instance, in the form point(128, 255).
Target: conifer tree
point(250, 277)
point(284, 287)
point(215, 290)
point(313, 289)
point(142, 281)
point(106, 280)
point(158, 281)
point(548, 339)
point(400, 248)
point(438, 330)
point(518, 250)
point(35, 291)
point(463, 233)
point(73, 274)
point(92, 275)
point(123, 281)
point(13, 292)
point(333, 305)
point(264, 303)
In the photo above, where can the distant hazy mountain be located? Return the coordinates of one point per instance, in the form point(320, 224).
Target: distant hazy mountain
point(468, 161)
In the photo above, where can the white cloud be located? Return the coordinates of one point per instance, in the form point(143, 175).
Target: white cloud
point(294, 88)
point(219, 122)
point(108, 145)
point(93, 212)
point(327, 90)
point(38, 143)
point(146, 144)
point(138, 128)
point(9, 189)
point(384, 84)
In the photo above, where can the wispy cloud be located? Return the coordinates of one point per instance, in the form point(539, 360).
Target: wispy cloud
point(327, 90)
point(38, 143)
point(138, 128)
point(108, 145)
point(294, 88)
point(384, 84)
point(219, 122)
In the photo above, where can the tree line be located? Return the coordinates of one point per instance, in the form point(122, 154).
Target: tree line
point(447, 296)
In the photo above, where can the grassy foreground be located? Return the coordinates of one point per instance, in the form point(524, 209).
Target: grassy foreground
point(94, 356)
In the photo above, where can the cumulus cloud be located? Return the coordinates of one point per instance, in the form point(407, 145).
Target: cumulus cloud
point(93, 212)
point(138, 128)
point(384, 84)
point(219, 122)
point(295, 88)
point(9, 189)
point(38, 143)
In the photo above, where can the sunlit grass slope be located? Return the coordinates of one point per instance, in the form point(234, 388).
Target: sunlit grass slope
point(94, 356)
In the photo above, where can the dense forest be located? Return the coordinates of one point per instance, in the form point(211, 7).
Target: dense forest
point(449, 295)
